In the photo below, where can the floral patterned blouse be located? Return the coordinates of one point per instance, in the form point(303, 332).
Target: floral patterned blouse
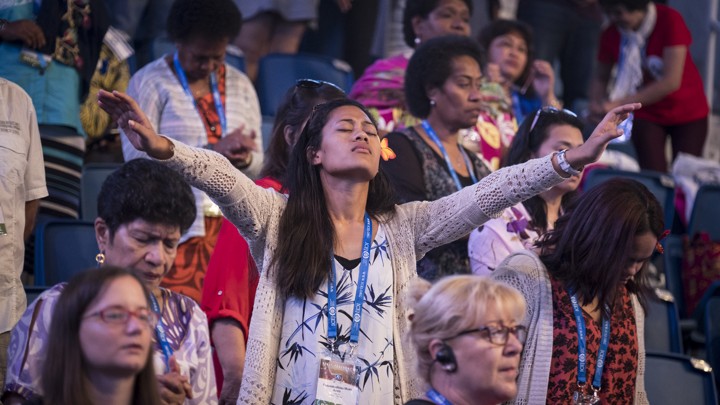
point(619, 375)
point(304, 333)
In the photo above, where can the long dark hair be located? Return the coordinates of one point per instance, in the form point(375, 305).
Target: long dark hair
point(524, 145)
point(592, 242)
point(296, 106)
point(306, 234)
point(63, 375)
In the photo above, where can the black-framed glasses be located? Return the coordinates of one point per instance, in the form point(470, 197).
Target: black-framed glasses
point(120, 315)
point(314, 84)
point(550, 110)
point(498, 335)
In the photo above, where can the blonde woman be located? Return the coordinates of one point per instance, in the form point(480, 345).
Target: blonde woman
point(467, 334)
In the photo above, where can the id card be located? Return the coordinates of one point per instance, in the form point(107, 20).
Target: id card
point(35, 59)
point(337, 383)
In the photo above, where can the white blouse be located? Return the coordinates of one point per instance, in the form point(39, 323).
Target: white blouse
point(304, 339)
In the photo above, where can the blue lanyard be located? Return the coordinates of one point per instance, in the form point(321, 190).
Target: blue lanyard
point(582, 349)
point(359, 294)
point(517, 107)
point(160, 331)
point(437, 397)
point(431, 133)
point(215, 92)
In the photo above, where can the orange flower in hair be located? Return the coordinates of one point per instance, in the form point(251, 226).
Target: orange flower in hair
point(385, 151)
point(660, 249)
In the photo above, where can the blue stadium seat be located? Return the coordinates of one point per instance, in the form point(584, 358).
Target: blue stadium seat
point(672, 266)
point(62, 249)
point(660, 184)
point(706, 212)
point(672, 379)
point(93, 176)
point(278, 72)
point(662, 327)
point(712, 334)
point(32, 292)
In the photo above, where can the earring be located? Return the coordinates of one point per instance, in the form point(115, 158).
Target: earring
point(417, 41)
point(432, 103)
point(100, 259)
point(449, 367)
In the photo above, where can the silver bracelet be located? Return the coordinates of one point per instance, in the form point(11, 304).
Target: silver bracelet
point(565, 165)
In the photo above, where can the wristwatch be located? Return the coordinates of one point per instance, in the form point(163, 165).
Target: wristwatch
point(565, 165)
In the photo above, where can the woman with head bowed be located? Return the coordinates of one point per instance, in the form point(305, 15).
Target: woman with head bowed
point(586, 287)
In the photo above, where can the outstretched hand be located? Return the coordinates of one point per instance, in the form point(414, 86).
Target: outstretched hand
point(606, 131)
point(138, 129)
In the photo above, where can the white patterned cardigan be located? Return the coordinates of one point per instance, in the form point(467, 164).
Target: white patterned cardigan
point(414, 229)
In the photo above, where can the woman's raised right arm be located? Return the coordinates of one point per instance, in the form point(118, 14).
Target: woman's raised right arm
point(245, 204)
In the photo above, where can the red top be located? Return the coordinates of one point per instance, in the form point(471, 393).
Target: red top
point(686, 104)
point(231, 279)
point(621, 361)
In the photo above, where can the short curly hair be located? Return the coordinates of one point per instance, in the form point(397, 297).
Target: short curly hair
point(420, 8)
point(145, 189)
point(431, 65)
point(207, 19)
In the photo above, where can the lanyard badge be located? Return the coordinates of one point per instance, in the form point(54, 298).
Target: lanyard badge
point(339, 373)
point(431, 133)
point(579, 396)
point(160, 333)
point(219, 108)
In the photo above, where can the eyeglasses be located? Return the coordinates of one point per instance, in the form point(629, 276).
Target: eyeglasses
point(499, 335)
point(120, 315)
point(314, 84)
point(549, 110)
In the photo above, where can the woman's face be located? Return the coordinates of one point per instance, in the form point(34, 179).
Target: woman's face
point(488, 370)
point(118, 349)
point(147, 248)
point(199, 57)
point(449, 17)
point(643, 249)
point(457, 102)
point(510, 53)
point(561, 137)
point(350, 146)
point(624, 18)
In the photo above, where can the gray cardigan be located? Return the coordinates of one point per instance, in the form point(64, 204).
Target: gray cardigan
point(524, 271)
point(414, 229)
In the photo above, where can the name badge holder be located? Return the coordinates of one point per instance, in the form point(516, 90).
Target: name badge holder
point(339, 373)
point(580, 396)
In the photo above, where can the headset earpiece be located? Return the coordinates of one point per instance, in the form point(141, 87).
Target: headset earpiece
point(446, 357)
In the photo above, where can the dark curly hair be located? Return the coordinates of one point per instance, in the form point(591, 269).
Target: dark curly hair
point(630, 5)
point(431, 65)
point(208, 19)
point(420, 8)
point(145, 189)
